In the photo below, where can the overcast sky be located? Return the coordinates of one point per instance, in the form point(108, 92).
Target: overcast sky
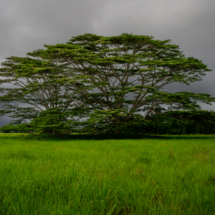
point(25, 25)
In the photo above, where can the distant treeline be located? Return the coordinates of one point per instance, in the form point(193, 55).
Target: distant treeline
point(179, 122)
point(172, 122)
point(175, 122)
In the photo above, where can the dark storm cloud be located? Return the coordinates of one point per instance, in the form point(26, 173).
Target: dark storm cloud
point(25, 25)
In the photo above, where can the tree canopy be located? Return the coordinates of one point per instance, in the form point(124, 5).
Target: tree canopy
point(113, 82)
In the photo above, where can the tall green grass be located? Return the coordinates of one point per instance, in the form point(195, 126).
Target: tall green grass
point(144, 176)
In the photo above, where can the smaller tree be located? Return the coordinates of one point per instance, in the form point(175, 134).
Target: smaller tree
point(34, 93)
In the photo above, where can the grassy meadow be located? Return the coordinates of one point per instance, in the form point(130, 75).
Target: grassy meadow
point(143, 176)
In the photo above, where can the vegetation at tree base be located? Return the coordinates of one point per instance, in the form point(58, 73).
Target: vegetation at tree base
point(185, 122)
point(173, 122)
point(178, 122)
point(96, 85)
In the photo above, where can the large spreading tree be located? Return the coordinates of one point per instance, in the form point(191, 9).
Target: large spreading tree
point(104, 84)
point(123, 75)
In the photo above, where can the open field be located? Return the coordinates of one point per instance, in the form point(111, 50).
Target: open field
point(144, 176)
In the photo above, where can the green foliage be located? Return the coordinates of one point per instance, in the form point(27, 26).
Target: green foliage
point(52, 121)
point(105, 81)
point(180, 122)
point(191, 122)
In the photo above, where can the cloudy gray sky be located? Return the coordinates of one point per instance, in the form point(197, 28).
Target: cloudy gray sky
point(25, 25)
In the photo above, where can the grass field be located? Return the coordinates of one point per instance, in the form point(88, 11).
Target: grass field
point(144, 176)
